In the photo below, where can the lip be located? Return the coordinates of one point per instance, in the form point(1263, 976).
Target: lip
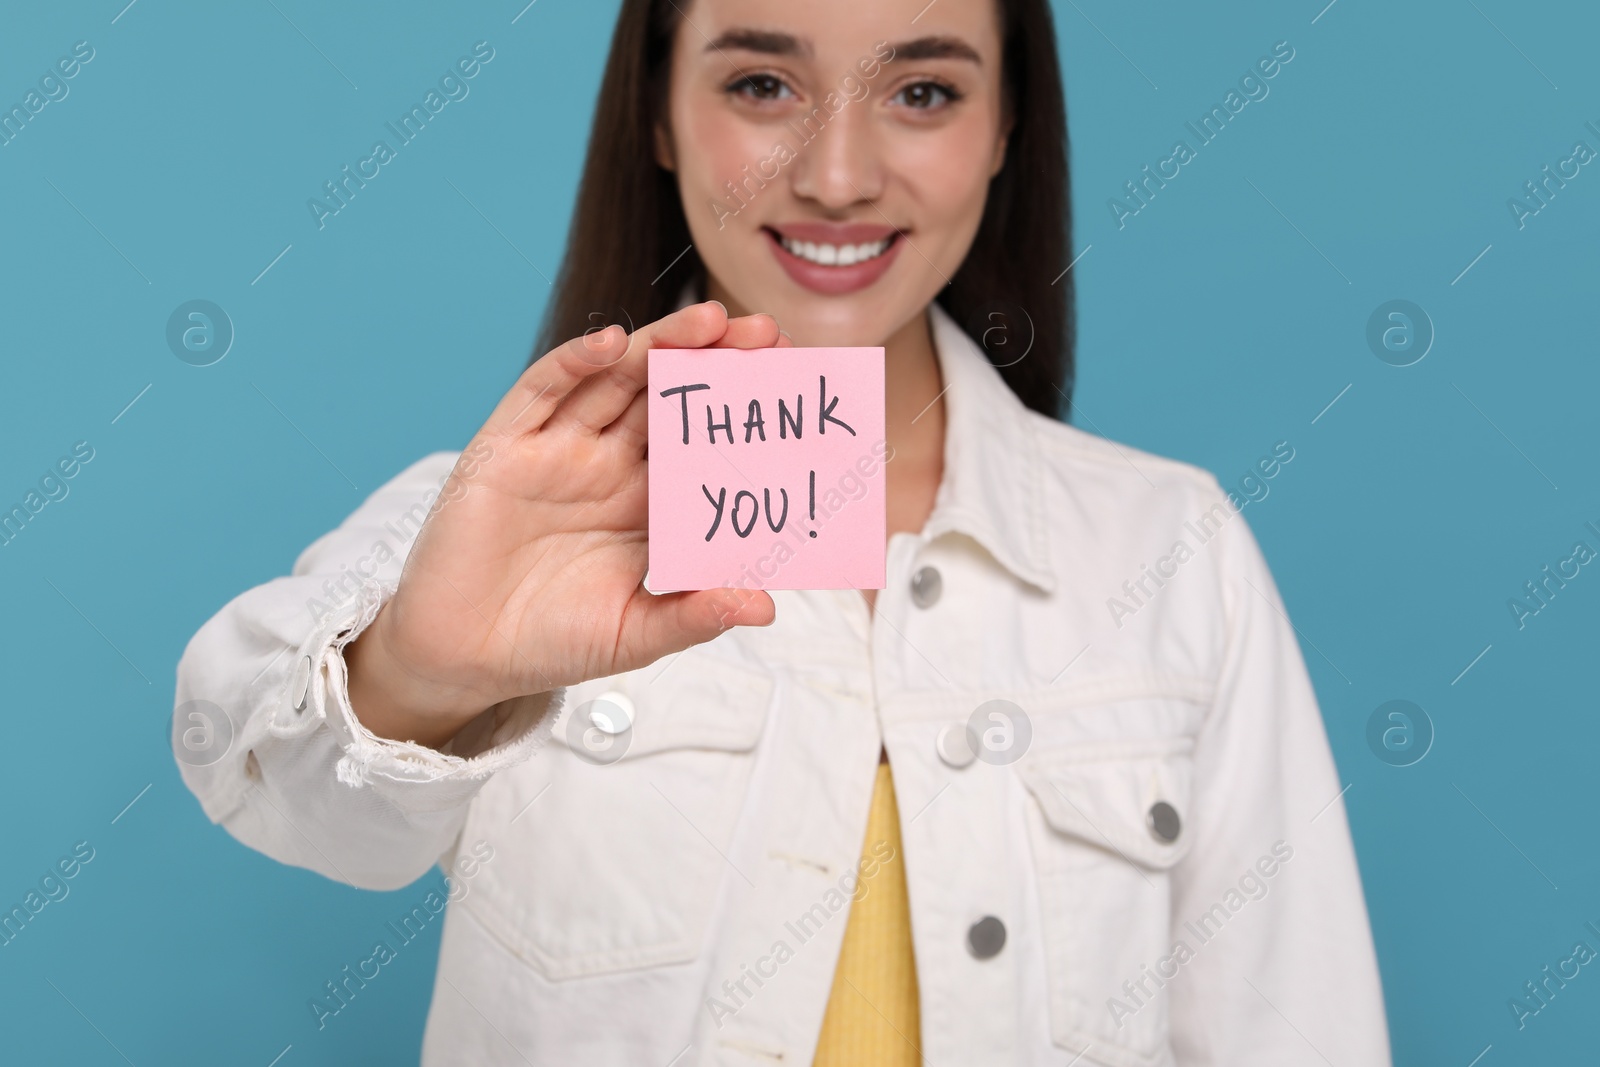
point(833, 281)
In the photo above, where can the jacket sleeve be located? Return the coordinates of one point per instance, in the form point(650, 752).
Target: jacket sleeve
point(1269, 898)
point(265, 736)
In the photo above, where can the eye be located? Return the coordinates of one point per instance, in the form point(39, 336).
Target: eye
point(758, 87)
point(926, 95)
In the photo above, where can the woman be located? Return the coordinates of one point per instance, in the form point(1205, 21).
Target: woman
point(1059, 793)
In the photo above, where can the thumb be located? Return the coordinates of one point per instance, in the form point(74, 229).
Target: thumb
point(656, 625)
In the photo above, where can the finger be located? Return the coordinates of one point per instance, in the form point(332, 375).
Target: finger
point(544, 388)
point(540, 389)
point(602, 398)
point(659, 625)
point(633, 426)
point(750, 331)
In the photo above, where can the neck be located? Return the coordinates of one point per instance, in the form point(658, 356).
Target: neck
point(915, 426)
point(914, 415)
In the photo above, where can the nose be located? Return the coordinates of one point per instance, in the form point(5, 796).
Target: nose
point(842, 163)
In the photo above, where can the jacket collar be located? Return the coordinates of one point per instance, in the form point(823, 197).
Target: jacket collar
point(992, 489)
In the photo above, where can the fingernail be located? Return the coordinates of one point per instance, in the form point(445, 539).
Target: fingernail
point(720, 305)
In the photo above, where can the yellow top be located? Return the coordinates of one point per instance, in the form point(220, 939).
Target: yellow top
point(873, 1015)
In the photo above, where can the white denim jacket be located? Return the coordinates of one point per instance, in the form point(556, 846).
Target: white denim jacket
point(1157, 833)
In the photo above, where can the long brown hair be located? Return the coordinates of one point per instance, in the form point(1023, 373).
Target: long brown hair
point(629, 253)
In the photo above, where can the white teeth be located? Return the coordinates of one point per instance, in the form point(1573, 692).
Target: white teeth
point(835, 255)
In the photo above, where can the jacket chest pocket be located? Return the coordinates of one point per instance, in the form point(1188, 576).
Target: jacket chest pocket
point(611, 842)
point(1107, 825)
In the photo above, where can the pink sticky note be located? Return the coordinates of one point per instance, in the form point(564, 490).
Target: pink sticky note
point(766, 468)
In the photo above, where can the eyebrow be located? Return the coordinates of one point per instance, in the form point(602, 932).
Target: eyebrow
point(778, 43)
point(937, 48)
point(767, 42)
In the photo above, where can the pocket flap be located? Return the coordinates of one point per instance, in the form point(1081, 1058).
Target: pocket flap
point(692, 702)
point(1130, 798)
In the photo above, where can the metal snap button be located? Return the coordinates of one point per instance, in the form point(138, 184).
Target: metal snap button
point(986, 937)
point(1163, 822)
point(611, 713)
point(954, 746)
point(925, 587)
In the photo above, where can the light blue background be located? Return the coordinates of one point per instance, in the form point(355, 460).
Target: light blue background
point(1211, 327)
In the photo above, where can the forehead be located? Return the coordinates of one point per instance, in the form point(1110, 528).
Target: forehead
point(836, 30)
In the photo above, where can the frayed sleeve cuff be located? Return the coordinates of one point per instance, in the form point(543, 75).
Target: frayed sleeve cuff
point(416, 777)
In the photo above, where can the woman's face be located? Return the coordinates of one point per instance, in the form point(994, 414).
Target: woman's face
point(833, 156)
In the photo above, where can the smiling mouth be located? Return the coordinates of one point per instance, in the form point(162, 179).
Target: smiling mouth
point(832, 255)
